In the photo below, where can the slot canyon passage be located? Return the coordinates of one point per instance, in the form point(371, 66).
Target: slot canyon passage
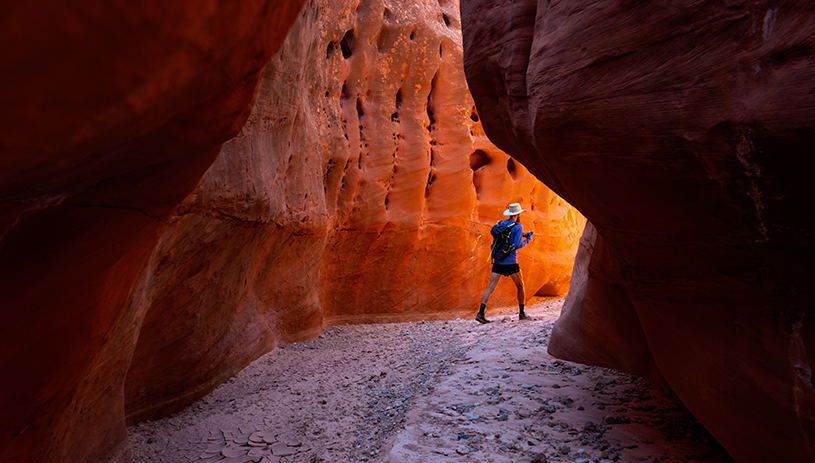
point(188, 188)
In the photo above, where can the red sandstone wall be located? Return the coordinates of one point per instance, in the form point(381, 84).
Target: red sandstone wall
point(684, 132)
point(361, 189)
point(598, 302)
point(112, 112)
point(130, 288)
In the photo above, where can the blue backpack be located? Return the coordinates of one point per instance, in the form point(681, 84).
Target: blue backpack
point(501, 244)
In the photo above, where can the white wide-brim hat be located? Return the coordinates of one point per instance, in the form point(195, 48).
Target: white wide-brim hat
point(514, 209)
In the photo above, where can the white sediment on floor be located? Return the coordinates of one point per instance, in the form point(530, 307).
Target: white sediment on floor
point(428, 392)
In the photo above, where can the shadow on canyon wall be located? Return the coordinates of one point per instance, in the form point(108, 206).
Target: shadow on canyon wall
point(143, 262)
point(146, 263)
point(683, 131)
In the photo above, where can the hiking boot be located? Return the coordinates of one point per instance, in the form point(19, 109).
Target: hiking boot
point(523, 316)
point(480, 318)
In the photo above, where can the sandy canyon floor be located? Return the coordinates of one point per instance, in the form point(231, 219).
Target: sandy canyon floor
point(441, 391)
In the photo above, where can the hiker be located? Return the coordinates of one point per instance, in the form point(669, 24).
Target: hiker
point(508, 265)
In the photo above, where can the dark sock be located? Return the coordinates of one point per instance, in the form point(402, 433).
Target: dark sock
point(481, 309)
point(522, 307)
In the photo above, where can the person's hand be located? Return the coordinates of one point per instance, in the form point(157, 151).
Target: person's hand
point(529, 235)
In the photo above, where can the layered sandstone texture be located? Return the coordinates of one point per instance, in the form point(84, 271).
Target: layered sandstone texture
point(112, 112)
point(361, 189)
point(683, 130)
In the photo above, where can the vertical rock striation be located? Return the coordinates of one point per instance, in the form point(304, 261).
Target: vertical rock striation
point(683, 131)
point(361, 189)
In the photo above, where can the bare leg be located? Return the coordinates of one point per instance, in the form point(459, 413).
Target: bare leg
point(480, 318)
point(518, 279)
point(494, 278)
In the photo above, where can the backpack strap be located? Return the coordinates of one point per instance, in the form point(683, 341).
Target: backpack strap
point(494, 242)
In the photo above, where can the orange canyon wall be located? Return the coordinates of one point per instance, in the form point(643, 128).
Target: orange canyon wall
point(122, 258)
point(361, 189)
point(684, 131)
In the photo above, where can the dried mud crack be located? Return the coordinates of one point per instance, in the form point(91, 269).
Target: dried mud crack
point(428, 392)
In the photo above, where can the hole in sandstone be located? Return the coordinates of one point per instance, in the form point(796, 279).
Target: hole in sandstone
point(511, 167)
point(474, 115)
point(327, 172)
point(398, 99)
point(344, 95)
point(345, 128)
point(413, 34)
point(478, 160)
point(446, 19)
point(360, 112)
point(430, 119)
point(431, 177)
point(330, 49)
point(387, 200)
point(347, 44)
point(432, 157)
point(395, 117)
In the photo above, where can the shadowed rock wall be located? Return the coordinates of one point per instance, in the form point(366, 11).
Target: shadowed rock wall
point(112, 112)
point(361, 189)
point(684, 132)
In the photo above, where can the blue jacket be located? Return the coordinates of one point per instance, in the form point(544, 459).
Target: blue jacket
point(515, 236)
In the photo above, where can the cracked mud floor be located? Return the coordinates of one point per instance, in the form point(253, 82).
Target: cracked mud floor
point(440, 391)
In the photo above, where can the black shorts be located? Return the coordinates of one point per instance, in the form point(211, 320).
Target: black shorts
point(506, 270)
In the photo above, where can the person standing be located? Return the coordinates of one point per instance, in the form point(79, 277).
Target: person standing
point(508, 266)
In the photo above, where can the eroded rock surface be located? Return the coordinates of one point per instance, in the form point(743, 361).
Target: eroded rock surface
point(598, 303)
point(683, 131)
point(361, 189)
point(111, 114)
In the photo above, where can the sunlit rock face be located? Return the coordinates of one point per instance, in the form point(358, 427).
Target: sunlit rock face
point(361, 189)
point(112, 112)
point(411, 183)
point(684, 132)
